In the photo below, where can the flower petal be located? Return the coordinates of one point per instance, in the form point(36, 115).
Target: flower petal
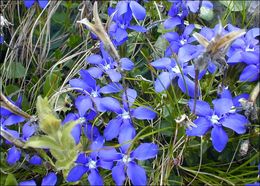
point(76, 173)
point(250, 73)
point(49, 180)
point(250, 57)
point(136, 174)
point(137, 28)
point(126, 64)
point(27, 183)
point(120, 35)
point(111, 104)
point(172, 22)
point(162, 82)
point(76, 133)
point(118, 174)
point(94, 178)
point(219, 138)
point(111, 88)
point(112, 129)
point(130, 98)
point(28, 130)
point(188, 30)
point(187, 52)
point(13, 119)
point(79, 83)
point(13, 155)
point(84, 74)
point(126, 134)
point(94, 59)
point(236, 122)
point(95, 72)
point(28, 3)
point(83, 104)
point(82, 158)
point(109, 154)
point(114, 75)
point(187, 86)
point(145, 151)
point(35, 160)
point(105, 164)
point(143, 113)
point(138, 11)
point(122, 7)
point(222, 106)
point(202, 107)
point(203, 125)
point(43, 3)
point(162, 63)
point(226, 94)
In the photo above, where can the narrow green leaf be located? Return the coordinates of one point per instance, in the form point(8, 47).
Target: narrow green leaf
point(51, 84)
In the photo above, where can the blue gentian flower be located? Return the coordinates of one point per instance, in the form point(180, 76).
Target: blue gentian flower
point(126, 159)
point(29, 3)
point(108, 65)
point(180, 10)
point(90, 164)
point(92, 91)
point(223, 115)
point(48, 180)
point(177, 41)
point(133, 7)
point(124, 114)
point(173, 70)
point(122, 16)
point(246, 50)
point(90, 131)
point(177, 13)
point(8, 119)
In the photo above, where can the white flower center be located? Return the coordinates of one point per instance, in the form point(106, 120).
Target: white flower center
point(176, 69)
point(232, 109)
point(126, 159)
point(125, 115)
point(92, 164)
point(107, 67)
point(214, 119)
point(94, 94)
point(183, 41)
point(249, 49)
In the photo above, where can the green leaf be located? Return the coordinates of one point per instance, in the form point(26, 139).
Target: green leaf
point(48, 122)
point(10, 180)
point(15, 70)
point(51, 84)
point(42, 142)
point(161, 44)
point(62, 164)
point(233, 5)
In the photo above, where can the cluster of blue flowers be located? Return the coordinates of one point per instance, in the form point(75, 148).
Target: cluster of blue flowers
point(100, 91)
